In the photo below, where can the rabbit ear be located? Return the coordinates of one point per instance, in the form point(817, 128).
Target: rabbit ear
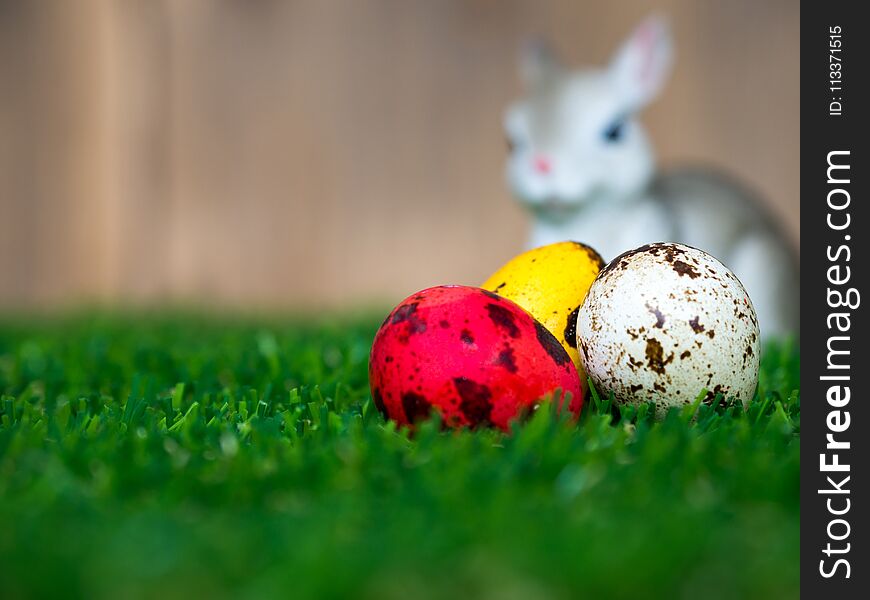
point(641, 66)
point(538, 62)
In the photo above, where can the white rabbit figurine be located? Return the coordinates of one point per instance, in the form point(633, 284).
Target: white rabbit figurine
point(581, 162)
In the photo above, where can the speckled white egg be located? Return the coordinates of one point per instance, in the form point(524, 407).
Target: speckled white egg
point(665, 321)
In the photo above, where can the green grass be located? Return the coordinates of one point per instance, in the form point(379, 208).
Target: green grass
point(182, 456)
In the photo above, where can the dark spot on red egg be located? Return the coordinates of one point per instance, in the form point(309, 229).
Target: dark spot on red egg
point(407, 313)
point(551, 345)
point(475, 401)
point(416, 407)
point(503, 318)
point(507, 360)
point(379, 402)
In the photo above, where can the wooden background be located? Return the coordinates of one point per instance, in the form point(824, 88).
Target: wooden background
point(276, 154)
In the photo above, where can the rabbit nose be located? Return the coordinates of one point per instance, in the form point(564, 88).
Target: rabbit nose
point(542, 164)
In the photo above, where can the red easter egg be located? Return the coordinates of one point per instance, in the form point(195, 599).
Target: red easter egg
point(475, 357)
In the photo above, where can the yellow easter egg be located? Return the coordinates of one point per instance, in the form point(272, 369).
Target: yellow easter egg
point(551, 282)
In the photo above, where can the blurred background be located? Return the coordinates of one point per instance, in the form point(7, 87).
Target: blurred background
point(292, 154)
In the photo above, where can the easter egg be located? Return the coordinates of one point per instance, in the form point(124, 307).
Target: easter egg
point(474, 357)
point(665, 321)
point(550, 282)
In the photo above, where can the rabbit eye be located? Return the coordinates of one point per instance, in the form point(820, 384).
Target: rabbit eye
point(614, 131)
